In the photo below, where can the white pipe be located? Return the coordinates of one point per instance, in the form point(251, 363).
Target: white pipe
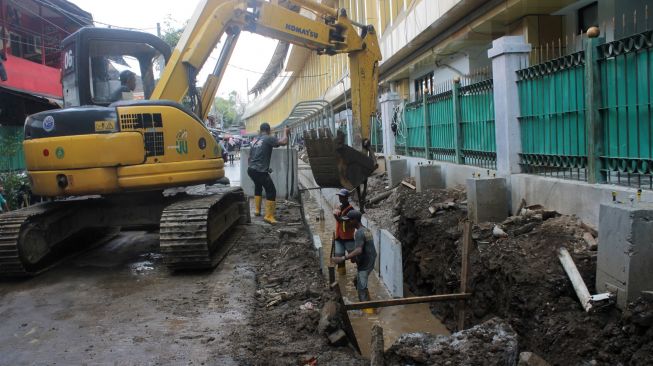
point(576, 280)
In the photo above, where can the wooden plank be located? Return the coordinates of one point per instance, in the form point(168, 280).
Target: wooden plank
point(349, 330)
point(464, 273)
point(405, 301)
point(376, 350)
point(408, 185)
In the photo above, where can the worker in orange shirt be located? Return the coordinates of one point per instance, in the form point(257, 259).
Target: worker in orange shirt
point(344, 235)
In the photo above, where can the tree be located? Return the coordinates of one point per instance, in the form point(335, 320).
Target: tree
point(229, 110)
point(171, 31)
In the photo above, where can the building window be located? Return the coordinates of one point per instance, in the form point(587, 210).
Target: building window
point(425, 83)
point(588, 17)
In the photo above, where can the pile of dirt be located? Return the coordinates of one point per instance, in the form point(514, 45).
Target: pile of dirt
point(491, 343)
point(290, 293)
point(404, 203)
point(516, 275)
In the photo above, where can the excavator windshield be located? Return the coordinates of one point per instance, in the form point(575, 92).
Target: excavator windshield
point(102, 66)
point(123, 71)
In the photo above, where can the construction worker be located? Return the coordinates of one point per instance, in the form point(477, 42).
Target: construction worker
point(127, 86)
point(344, 235)
point(259, 170)
point(364, 254)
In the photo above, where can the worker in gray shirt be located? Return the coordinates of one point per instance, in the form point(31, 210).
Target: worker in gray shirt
point(259, 170)
point(364, 255)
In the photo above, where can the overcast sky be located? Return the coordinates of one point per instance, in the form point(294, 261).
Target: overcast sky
point(252, 52)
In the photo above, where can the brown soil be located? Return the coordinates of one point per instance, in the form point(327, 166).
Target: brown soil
point(518, 278)
point(287, 277)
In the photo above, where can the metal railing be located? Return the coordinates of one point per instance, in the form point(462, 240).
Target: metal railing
point(456, 124)
point(626, 68)
point(552, 121)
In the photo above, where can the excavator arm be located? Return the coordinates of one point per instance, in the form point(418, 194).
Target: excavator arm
point(330, 33)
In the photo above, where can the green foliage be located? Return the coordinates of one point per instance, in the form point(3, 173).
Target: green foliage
point(171, 31)
point(10, 146)
point(230, 110)
point(12, 183)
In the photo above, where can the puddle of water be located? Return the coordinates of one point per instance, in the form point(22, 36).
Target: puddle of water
point(141, 267)
point(395, 320)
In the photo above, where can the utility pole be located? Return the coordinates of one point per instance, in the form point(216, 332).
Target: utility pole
point(158, 29)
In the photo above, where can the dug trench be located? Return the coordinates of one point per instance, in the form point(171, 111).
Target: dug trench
point(515, 276)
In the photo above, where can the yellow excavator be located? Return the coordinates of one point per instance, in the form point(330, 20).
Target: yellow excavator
point(110, 153)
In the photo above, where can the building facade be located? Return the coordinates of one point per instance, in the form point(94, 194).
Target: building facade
point(31, 32)
point(426, 43)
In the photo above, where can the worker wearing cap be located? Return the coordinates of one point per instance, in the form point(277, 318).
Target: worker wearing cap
point(364, 253)
point(344, 235)
point(259, 170)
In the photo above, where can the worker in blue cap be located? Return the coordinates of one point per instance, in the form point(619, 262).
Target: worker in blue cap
point(344, 234)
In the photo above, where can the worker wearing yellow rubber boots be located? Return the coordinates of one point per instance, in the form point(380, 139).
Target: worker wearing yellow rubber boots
point(259, 170)
point(364, 255)
point(344, 235)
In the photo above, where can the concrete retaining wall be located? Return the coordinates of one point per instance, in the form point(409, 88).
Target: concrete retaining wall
point(281, 175)
point(568, 197)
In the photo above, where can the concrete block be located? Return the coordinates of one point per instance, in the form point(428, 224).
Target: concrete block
point(391, 271)
point(429, 177)
point(397, 170)
point(625, 255)
point(285, 179)
point(487, 199)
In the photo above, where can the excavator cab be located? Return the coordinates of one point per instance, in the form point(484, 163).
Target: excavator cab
point(94, 59)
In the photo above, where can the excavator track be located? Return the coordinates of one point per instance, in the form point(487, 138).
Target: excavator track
point(12, 225)
point(190, 230)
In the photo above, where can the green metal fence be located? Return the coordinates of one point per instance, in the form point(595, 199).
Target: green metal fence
point(458, 125)
point(441, 123)
point(377, 134)
point(626, 68)
point(11, 148)
point(477, 124)
point(588, 115)
point(552, 122)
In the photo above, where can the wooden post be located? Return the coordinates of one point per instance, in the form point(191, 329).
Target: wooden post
point(376, 350)
point(464, 273)
point(427, 122)
point(593, 122)
point(457, 116)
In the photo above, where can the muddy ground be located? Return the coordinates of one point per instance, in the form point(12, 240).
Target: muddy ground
point(118, 305)
point(517, 278)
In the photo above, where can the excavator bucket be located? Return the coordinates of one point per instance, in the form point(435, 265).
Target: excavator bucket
point(335, 164)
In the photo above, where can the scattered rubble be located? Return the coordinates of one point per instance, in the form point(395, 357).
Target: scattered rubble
point(297, 316)
point(490, 343)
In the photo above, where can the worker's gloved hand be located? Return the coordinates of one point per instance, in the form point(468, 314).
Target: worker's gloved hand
point(336, 212)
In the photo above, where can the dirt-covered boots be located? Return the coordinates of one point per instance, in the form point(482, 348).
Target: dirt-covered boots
point(270, 207)
point(258, 200)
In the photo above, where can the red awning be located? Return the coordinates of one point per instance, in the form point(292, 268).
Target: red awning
point(30, 77)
